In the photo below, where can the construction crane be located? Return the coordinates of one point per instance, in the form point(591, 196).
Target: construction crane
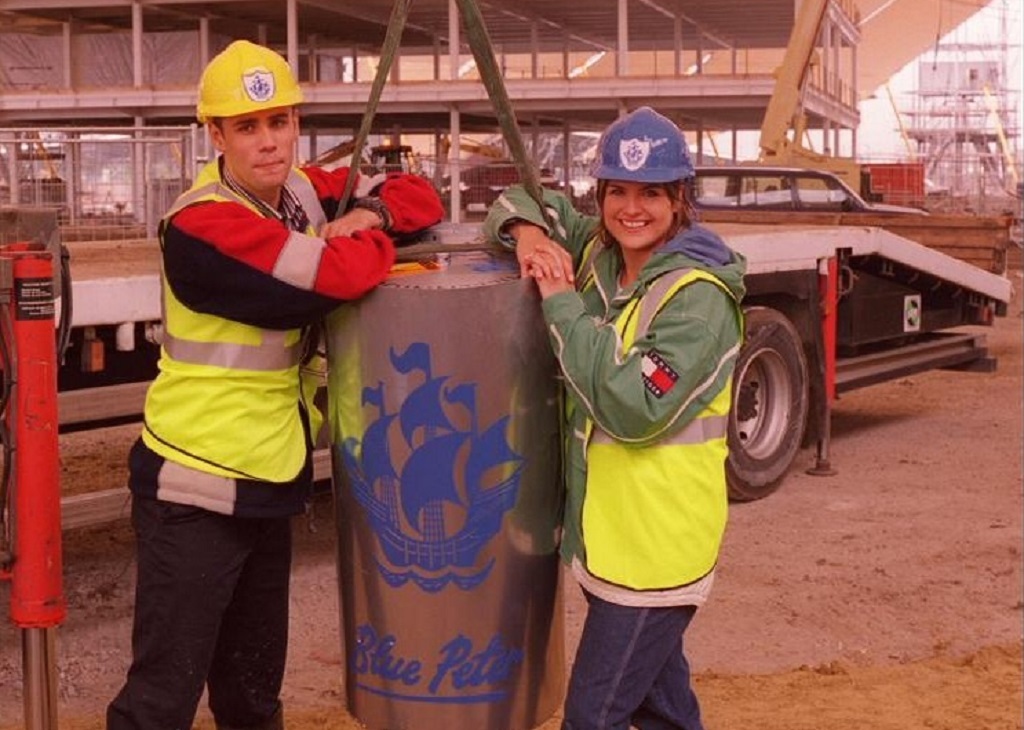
point(785, 114)
point(493, 151)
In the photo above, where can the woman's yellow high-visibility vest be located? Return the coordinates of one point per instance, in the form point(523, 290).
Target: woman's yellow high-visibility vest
point(654, 515)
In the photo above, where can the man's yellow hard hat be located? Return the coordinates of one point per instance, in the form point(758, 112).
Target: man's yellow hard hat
point(244, 78)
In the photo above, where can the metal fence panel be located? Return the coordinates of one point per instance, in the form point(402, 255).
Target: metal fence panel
point(103, 182)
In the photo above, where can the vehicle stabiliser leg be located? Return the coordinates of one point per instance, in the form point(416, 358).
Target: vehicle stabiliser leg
point(822, 463)
point(828, 289)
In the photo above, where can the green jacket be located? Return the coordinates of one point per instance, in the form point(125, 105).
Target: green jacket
point(697, 335)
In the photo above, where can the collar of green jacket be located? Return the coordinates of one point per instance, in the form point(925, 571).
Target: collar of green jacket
point(699, 248)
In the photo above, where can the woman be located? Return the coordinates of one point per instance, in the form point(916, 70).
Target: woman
point(642, 307)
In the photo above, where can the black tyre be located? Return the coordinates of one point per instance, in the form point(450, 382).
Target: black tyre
point(770, 402)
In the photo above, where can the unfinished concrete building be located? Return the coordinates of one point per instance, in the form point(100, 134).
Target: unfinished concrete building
point(124, 71)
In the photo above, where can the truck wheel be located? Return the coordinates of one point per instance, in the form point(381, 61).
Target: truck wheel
point(770, 402)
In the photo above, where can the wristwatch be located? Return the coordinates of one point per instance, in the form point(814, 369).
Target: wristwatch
point(377, 206)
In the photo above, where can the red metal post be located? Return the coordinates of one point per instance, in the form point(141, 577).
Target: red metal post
point(37, 596)
point(828, 284)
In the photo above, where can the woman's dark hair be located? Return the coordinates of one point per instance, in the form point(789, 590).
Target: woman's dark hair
point(680, 190)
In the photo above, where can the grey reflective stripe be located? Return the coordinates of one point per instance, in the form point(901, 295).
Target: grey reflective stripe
point(559, 226)
point(506, 204)
point(695, 432)
point(215, 188)
point(306, 194)
point(299, 260)
point(651, 302)
point(273, 354)
point(182, 485)
point(298, 184)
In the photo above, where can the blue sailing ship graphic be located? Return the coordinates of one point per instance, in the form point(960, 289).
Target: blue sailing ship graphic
point(435, 512)
point(495, 264)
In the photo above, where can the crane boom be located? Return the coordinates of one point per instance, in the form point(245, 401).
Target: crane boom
point(784, 110)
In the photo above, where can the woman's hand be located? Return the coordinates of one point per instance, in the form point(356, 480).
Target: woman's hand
point(539, 256)
point(548, 285)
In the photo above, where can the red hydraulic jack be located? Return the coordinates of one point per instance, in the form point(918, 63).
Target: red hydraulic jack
point(30, 529)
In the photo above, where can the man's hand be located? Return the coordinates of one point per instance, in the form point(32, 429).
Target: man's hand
point(539, 256)
point(357, 219)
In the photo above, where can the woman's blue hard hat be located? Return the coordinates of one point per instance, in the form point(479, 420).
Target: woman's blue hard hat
point(643, 146)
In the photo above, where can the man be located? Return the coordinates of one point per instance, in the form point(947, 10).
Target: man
point(252, 257)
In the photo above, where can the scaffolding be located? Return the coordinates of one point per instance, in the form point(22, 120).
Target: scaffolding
point(965, 117)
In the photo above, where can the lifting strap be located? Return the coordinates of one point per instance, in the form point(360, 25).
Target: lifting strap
point(487, 65)
point(396, 24)
point(490, 76)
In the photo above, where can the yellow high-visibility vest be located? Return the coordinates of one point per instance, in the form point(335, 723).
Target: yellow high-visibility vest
point(654, 515)
point(226, 401)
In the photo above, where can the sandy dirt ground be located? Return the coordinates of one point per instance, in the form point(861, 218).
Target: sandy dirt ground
point(888, 596)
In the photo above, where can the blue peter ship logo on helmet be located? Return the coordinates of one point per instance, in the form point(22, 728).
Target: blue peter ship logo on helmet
point(434, 483)
point(259, 85)
point(633, 153)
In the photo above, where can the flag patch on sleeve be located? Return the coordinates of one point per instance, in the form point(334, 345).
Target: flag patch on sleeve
point(659, 377)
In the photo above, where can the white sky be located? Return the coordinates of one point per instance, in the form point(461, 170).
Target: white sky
point(878, 136)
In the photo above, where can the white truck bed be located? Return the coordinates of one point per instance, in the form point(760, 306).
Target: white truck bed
point(119, 282)
point(770, 248)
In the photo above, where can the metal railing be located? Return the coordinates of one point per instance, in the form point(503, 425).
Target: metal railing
point(105, 182)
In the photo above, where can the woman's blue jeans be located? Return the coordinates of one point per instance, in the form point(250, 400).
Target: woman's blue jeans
point(630, 670)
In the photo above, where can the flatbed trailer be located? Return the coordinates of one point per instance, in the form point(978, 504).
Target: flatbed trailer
point(834, 308)
point(983, 241)
point(829, 309)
